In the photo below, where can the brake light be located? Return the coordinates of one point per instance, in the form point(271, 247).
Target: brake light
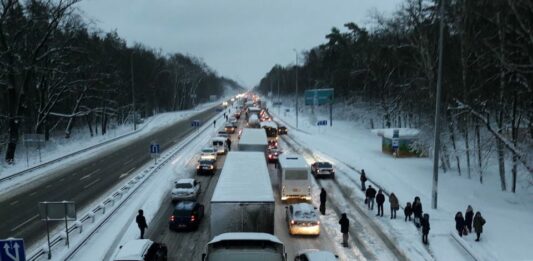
point(193, 218)
point(292, 222)
point(270, 156)
point(172, 218)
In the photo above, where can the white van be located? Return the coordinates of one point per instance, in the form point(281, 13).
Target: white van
point(219, 143)
point(294, 177)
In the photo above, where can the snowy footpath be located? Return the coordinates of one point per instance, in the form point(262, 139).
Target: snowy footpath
point(506, 235)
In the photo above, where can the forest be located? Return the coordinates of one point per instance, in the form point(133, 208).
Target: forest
point(391, 67)
point(58, 73)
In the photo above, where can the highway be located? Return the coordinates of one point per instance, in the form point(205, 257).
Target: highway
point(84, 181)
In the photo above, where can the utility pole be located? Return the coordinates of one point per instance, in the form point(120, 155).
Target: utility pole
point(296, 86)
point(133, 93)
point(279, 105)
point(436, 143)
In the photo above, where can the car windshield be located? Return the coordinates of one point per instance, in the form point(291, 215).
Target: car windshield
point(305, 214)
point(324, 165)
point(208, 150)
point(205, 162)
point(183, 185)
point(218, 143)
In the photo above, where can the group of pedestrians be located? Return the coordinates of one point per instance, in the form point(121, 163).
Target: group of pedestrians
point(464, 225)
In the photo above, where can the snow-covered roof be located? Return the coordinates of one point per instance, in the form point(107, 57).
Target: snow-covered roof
point(244, 178)
point(292, 161)
point(245, 236)
point(133, 250)
point(304, 211)
point(218, 138)
point(403, 132)
point(269, 124)
point(253, 136)
point(181, 181)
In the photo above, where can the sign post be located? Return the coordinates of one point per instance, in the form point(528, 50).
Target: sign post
point(317, 97)
point(31, 139)
point(12, 249)
point(57, 211)
point(154, 151)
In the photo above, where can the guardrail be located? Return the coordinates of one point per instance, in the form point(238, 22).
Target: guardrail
point(116, 200)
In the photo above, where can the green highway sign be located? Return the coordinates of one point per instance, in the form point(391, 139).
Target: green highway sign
point(318, 96)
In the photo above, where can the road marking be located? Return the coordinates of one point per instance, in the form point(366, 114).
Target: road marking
point(126, 174)
point(49, 186)
point(33, 193)
point(14, 202)
point(90, 184)
point(90, 174)
point(24, 223)
point(127, 162)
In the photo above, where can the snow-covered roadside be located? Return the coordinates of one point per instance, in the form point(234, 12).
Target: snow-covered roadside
point(506, 235)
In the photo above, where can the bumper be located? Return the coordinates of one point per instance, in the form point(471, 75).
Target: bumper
point(180, 197)
point(302, 197)
point(304, 230)
point(181, 226)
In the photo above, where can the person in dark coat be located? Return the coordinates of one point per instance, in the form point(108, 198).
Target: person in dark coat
point(417, 211)
point(228, 142)
point(323, 196)
point(469, 217)
point(141, 222)
point(408, 211)
point(380, 199)
point(370, 195)
point(345, 225)
point(425, 228)
point(363, 180)
point(459, 223)
point(394, 205)
point(479, 221)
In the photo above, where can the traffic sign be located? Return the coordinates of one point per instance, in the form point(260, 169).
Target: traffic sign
point(12, 249)
point(219, 109)
point(154, 148)
point(195, 123)
point(318, 96)
point(322, 123)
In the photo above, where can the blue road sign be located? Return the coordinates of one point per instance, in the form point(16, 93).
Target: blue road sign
point(154, 149)
point(318, 96)
point(219, 109)
point(322, 123)
point(12, 250)
point(195, 123)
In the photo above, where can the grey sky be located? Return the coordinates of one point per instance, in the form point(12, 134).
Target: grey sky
point(240, 39)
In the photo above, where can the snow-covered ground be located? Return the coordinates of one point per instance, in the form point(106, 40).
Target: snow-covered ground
point(509, 216)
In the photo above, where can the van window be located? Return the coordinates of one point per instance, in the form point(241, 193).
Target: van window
point(217, 143)
point(296, 175)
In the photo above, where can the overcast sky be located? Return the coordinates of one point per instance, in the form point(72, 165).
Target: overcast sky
point(240, 39)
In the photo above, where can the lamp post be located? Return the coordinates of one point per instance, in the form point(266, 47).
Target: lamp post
point(296, 67)
point(133, 93)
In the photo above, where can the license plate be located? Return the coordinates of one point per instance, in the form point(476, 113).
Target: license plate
point(181, 225)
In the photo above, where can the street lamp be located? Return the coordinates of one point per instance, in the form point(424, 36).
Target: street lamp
point(295, 52)
point(133, 93)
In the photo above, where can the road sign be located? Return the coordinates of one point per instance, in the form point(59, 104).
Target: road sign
point(154, 148)
point(219, 109)
point(57, 210)
point(318, 96)
point(12, 249)
point(322, 123)
point(195, 123)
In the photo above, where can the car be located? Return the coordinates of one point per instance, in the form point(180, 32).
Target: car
point(223, 134)
point(315, 255)
point(322, 168)
point(185, 189)
point(206, 166)
point(302, 219)
point(272, 143)
point(237, 115)
point(142, 250)
point(282, 130)
point(229, 128)
point(186, 215)
point(209, 153)
point(220, 144)
point(233, 121)
point(273, 154)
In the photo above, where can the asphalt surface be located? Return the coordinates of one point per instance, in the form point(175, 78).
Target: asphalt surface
point(84, 181)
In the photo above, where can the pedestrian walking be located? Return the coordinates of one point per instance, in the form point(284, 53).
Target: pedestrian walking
point(417, 211)
point(214, 123)
point(460, 223)
point(141, 222)
point(425, 228)
point(228, 143)
point(345, 225)
point(370, 195)
point(363, 180)
point(479, 221)
point(394, 205)
point(408, 211)
point(323, 196)
point(469, 217)
point(380, 200)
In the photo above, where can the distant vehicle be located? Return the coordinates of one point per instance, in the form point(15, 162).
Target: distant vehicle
point(273, 154)
point(272, 143)
point(142, 250)
point(233, 121)
point(293, 174)
point(245, 246)
point(302, 219)
point(206, 166)
point(185, 189)
point(225, 104)
point(253, 121)
point(223, 134)
point(209, 153)
point(271, 129)
point(186, 215)
point(237, 115)
point(219, 143)
point(253, 140)
point(230, 128)
point(282, 130)
point(315, 255)
point(322, 169)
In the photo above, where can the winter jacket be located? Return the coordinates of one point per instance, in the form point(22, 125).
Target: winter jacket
point(408, 210)
point(469, 216)
point(363, 178)
point(323, 196)
point(141, 221)
point(479, 221)
point(393, 200)
point(370, 192)
point(459, 223)
point(345, 224)
point(425, 224)
point(417, 209)
point(380, 199)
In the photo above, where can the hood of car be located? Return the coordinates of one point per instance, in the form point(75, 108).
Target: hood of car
point(182, 190)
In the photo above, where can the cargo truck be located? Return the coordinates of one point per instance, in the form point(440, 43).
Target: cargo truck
point(245, 246)
point(253, 140)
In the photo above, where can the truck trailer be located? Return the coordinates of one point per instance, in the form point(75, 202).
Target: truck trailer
point(245, 246)
point(253, 140)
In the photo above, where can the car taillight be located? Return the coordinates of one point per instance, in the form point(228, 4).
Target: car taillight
point(172, 218)
point(270, 156)
point(318, 222)
point(292, 222)
point(193, 218)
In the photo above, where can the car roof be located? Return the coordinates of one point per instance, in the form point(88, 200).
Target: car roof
point(134, 249)
point(305, 207)
point(179, 181)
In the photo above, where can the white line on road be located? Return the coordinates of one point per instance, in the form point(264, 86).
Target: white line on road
point(90, 184)
point(33, 193)
point(126, 174)
point(90, 174)
point(24, 223)
point(127, 162)
point(14, 202)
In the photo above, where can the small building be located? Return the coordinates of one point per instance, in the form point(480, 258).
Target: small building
point(403, 138)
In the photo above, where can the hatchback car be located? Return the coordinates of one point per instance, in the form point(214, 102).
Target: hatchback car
point(206, 167)
point(273, 154)
point(223, 134)
point(185, 189)
point(209, 153)
point(302, 219)
point(315, 255)
point(229, 128)
point(186, 215)
point(322, 169)
point(142, 250)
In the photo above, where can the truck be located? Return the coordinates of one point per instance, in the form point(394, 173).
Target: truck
point(253, 121)
point(243, 200)
point(253, 140)
point(294, 177)
point(245, 246)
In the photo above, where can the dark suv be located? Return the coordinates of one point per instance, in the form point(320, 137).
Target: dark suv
point(186, 215)
point(206, 166)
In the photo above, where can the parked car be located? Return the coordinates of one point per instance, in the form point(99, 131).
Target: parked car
point(186, 215)
point(322, 168)
point(302, 219)
point(282, 130)
point(185, 189)
point(229, 128)
point(142, 250)
point(206, 166)
point(315, 255)
point(273, 154)
point(209, 153)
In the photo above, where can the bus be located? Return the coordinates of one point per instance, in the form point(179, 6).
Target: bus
point(295, 182)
